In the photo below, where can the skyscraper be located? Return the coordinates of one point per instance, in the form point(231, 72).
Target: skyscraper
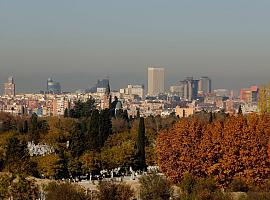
point(53, 87)
point(9, 87)
point(190, 89)
point(205, 85)
point(155, 81)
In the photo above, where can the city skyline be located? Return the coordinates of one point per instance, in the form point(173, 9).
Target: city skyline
point(79, 42)
point(117, 82)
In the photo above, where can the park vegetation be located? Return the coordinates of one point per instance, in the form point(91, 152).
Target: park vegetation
point(202, 155)
point(225, 149)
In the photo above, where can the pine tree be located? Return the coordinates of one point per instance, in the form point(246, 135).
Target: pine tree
point(140, 147)
point(211, 117)
point(66, 113)
point(25, 126)
point(34, 122)
point(91, 140)
point(138, 113)
point(240, 110)
point(77, 141)
point(105, 127)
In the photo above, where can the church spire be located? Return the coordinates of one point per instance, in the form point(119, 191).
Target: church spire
point(108, 89)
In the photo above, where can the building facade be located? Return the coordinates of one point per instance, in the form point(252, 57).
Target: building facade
point(9, 87)
point(155, 81)
point(53, 87)
point(204, 85)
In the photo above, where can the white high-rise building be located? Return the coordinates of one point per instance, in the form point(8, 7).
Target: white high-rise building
point(155, 81)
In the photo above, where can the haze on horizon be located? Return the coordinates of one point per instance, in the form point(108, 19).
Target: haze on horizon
point(76, 42)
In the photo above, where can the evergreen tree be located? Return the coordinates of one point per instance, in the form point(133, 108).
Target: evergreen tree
point(140, 162)
point(211, 117)
point(17, 156)
point(91, 140)
point(72, 113)
point(138, 113)
point(77, 141)
point(25, 126)
point(34, 122)
point(66, 113)
point(88, 107)
point(126, 118)
point(240, 110)
point(63, 162)
point(105, 127)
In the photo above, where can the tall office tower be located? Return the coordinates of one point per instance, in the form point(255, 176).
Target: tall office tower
point(53, 87)
point(102, 85)
point(190, 89)
point(9, 87)
point(205, 86)
point(178, 89)
point(155, 81)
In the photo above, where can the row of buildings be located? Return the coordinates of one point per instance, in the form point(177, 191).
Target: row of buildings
point(190, 94)
point(53, 87)
point(131, 99)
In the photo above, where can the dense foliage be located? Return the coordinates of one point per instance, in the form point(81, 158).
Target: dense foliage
point(237, 146)
point(85, 141)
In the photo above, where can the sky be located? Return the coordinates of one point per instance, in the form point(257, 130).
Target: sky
point(77, 42)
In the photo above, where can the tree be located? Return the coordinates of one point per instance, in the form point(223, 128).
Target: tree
point(240, 110)
point(90, 161)
point(140, 147)
point(83, 109)
point(17, 188)
point(236, 147)
point(77, 141)
point(105, 127)
point(91, 137)
point(211, 117)
point(17, 159)
point(49, 166)
point(66, 113)
point(34, 122)
point(25, 126)
point(5, 182)
point(264, 99)
point(22, 188)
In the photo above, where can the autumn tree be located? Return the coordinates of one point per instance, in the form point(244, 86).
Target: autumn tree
point(49, 166)
point(264, 99)
point(17, 187)
point(224, 150)
point(90, 162)
point(17, 158)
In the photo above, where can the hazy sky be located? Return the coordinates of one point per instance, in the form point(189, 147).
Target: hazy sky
point(77, 42)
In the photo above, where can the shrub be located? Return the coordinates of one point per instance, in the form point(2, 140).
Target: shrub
point(256, 195)
point(238, 185)
point(155, 187)
point(188, 183)
point(63, 191)
point(110, 190)
point(192, 188)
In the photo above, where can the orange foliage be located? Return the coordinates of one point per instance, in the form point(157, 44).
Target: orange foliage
point(236, 147)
